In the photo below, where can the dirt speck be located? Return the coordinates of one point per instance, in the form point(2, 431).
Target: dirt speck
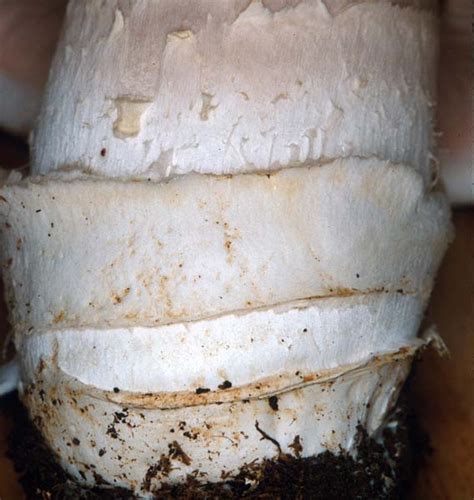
point(273, 402)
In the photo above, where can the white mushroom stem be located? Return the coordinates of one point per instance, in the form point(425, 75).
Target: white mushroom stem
point(230, 213)
point(170, 87)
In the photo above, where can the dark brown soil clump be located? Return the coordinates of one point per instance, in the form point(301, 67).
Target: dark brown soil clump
point(382, 470)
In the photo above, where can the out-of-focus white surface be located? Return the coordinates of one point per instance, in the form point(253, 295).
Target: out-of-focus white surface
point(9, 377)
point(19, 104)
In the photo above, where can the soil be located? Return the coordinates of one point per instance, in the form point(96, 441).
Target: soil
point(382, 469)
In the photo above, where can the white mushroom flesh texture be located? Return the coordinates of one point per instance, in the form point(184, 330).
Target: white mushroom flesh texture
point(230, 231)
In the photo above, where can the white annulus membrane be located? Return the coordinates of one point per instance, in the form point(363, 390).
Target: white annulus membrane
point(286, 344)
point(113, 253)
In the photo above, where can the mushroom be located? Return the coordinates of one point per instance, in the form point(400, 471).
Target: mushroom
point(229, 234)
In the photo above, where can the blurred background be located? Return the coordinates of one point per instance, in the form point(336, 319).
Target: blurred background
point(443, 388)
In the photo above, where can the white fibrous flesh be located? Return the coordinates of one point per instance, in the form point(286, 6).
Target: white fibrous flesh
point(229, 232)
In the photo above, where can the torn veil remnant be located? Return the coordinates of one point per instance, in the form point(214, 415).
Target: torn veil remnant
point(129, 116)
point(267, 295)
